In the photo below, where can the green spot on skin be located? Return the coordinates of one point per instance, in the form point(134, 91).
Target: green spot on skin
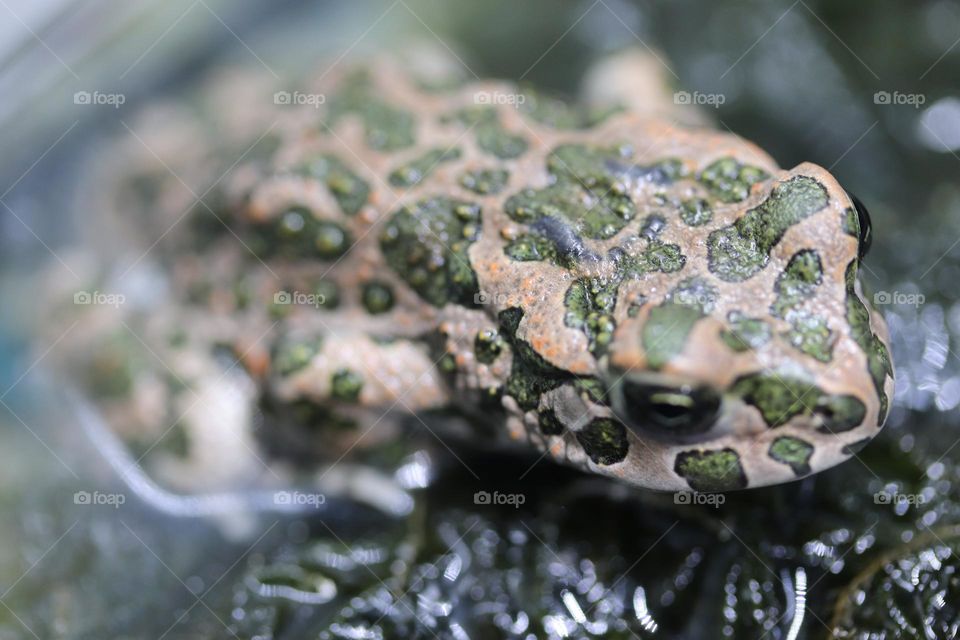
point(386, 127)
point(729, 180)
point(781, 398)
point(350, 191)
point(329, 293)
point(696, 212)
point(841, 413)
point(656, 257)
point(586, 195)
point(532, 247)
point(590, 305)
point(797, 282)
point(810, 335)
point(490, 134)
point(417, 170)
point(292, 355)
point(377, 297)
point(298, 234)
point(851, 223)
point(487, 345)
point(666, 330)
point(793, 452)
point(485, 181)
point(711, 471)
point(745, 333)
point(738, 251)
point(878, 358)
point(604, 441)
point(778, 398)
point(598, 214)
point(591, 389)
point(346, 385)
point(559, 114)
point(427, 246)
point(855, 447)
point(530, 374)
point(550, 424)
point(669, 324)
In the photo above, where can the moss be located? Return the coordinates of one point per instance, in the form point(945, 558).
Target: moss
point(427, 246)
point(604, 440)
point(346, 385)
point(711, 471)
point(487, 345)
point(350, 191)
point(729, 180)
point(485, 181)
point(386, 127)
point(696, 212)
point(417, 170)
point(745, 333)
point(377, 297)
point(739, 250)
point(794, 452)
point(291, 355)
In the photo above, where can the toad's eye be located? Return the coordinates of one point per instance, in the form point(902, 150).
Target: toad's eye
point(683, 410)
point(866, 230)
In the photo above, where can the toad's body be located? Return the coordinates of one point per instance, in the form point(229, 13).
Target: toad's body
point(648, 301)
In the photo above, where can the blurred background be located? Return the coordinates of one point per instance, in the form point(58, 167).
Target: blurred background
point(868, 91)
